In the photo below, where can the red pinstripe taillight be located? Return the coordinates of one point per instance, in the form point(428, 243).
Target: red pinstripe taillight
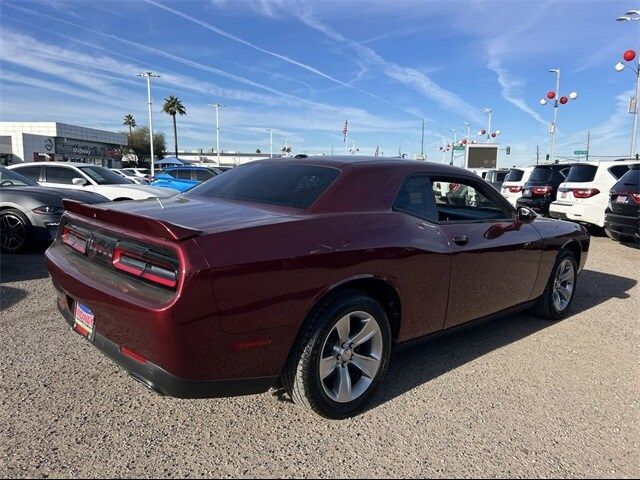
point(163, 273)
point(585, 192)
point(74, 239)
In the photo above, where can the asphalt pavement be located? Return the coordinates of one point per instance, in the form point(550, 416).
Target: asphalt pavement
point(518, 397)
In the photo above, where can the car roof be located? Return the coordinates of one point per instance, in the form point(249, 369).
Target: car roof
point(73, 164)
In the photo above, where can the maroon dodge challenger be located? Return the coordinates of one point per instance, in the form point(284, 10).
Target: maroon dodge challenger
point(303, 273)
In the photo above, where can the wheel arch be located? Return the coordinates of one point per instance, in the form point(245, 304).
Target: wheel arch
point(574, 247)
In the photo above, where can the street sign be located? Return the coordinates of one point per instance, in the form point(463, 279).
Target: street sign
point(458, 148)
point(580, 152)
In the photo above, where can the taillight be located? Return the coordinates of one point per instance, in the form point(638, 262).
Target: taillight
point(636, 197)
point(584, 192)
point(74, 239)
point(541, 191)
point(515, 189)
point(151, 268)
point(453, 187)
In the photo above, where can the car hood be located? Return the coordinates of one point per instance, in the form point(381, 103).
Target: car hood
point(54, 196)
point(207, 215)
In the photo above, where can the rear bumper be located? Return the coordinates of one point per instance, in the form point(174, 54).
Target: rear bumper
point(160, 381)
point(538, 205)
point(623, 224)
point(591, 214)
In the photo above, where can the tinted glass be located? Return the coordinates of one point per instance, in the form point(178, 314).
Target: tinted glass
point(631, 178)
point(9, 178)
point(500, 176)
point(619, 170)
point(32, 172)
point(462, 201)
point(285, 184)
point(540, 174)
point(104, 176)
point(183, 174)
point(62, 175)
point(416, 198)
point(202, 175)
point(514, 175)
point(582, 173)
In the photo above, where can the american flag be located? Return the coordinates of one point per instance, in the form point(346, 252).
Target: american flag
point(345, 129)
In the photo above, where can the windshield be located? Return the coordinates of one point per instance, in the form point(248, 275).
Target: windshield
point(9, 178)
point(514, 175)
point(582, 173)
point(283, 184)
point(103, 176)
point(540, 174)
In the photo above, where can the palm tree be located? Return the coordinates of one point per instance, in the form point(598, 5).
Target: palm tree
point(129, 121)
point(173, 106)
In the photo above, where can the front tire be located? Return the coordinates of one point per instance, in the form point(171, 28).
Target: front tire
point(560, 290)
point(15, 231)
point(340, 357)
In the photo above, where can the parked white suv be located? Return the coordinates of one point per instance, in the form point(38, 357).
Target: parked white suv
point(92, 178)
point(513, 184)
point(584, 195)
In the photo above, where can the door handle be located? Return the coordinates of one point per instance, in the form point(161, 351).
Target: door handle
point(460, 240)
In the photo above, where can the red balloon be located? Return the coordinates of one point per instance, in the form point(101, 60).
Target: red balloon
point(483, 131)
point(551, 95)
point(464, 141)
point(563, 100)
point(629, 55)
point(493, 135)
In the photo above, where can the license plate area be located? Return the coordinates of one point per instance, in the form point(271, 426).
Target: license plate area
point(83, 321)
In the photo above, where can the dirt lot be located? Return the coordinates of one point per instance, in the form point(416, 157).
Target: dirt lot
point(518, 397)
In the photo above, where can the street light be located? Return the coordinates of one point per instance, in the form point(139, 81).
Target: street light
point(629, 56)
point(488, 111)
point(557, 101)
point(149, 75)
point(270, 130)
point(217, 106)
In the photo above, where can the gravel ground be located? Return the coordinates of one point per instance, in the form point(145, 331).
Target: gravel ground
point(518, 397)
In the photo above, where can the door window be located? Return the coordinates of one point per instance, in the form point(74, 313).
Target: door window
point(62, 175)
point(462, 200)
point(415, 198)
point(183, 174)
point(202, 175)
point(32, 172)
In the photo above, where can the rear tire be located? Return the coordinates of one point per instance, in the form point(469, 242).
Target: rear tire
point(15, 231)
point(340, 356)
point(559, 293)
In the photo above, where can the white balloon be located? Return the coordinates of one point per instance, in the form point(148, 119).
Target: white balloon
point(573, 95)
point(543, 101)
point(498, 132)
point(619, 66)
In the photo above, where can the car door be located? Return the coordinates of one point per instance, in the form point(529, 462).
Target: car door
point(494, 257)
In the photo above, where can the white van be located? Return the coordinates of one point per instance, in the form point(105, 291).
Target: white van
point(584, 196)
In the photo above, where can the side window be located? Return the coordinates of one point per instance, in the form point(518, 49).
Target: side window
point(618, 171)
point(33, 172)
point(183, 174)
point(61, 175)
point(415, 198)
point(202, 175)
point(459, 199)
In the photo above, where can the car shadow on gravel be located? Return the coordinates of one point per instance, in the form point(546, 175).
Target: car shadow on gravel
point(411, 368)
point(21, 267)
point(9, 296)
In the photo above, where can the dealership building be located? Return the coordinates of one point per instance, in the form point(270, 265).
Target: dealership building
point(54, 141)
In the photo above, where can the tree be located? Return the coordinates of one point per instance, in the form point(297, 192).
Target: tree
point(129, 121)
point(173, 106)
point(258, 151)
point(138, 142)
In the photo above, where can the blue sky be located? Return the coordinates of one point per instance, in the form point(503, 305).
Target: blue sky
point(302, 67)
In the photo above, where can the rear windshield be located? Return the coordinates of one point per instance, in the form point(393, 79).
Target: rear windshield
point(582, 173)
point(540, 174)
point(500, 176)
point(631, 178)
point(284, 184)
point(514, 175)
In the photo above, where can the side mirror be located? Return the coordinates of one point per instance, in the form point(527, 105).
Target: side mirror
point(79, 181)
point(526, 215)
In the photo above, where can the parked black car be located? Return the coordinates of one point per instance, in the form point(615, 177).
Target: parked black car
point(622, 217)
point(29, 213)
point(542, 187)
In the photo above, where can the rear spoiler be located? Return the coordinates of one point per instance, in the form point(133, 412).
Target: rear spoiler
point(131, 221)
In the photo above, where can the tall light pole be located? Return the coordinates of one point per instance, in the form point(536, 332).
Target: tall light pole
point(422, 142)
point(217, 106)
point(488, 111)
point(629, 56)
point(149, 75)
point(468, 125)
point(270, 130)
point(558, 100)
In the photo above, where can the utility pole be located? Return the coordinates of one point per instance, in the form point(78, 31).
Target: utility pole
point(270, 130)
point(490, 112)
point(217, 106)
point(149, 75)
point(332, 150)
point(537, 154)
point(588, 144)
point(422, 141)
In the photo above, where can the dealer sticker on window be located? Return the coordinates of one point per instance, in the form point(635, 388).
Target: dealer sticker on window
point(83, 321)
